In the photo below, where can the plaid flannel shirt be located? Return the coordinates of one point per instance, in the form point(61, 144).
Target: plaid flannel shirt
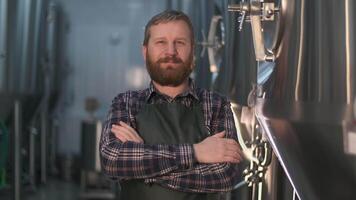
point(172, 166)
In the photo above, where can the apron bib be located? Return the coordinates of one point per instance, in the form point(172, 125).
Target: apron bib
point(169, 123)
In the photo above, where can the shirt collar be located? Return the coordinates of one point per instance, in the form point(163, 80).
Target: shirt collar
point(152, 90)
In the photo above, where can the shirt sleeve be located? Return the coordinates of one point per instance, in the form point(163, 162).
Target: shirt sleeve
point(131, 160)
point(207, 178)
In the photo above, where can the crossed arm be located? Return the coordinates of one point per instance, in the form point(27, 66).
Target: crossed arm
point(213, 161)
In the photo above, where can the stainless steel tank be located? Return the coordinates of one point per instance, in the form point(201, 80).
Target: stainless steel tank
point(306, 89)
point(238, 71)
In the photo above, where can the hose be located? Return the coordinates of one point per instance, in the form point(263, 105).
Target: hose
point(237, 186)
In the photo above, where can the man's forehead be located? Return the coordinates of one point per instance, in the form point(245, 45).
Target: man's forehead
point(179, 27)
point(176, 25)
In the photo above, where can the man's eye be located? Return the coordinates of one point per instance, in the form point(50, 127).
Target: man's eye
point(181, 42)
point(160, 42)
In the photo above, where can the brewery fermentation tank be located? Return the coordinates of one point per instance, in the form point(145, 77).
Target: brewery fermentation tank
point(305, 90)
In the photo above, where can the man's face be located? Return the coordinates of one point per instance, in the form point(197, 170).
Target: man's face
point(169, 53)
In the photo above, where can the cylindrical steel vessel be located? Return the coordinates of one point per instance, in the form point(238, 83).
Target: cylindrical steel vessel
point(316, 55)
point(307, 100)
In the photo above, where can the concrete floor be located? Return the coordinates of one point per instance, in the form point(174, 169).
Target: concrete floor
point(94, 186)
point(55, 190)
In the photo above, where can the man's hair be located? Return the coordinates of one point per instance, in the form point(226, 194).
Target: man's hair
point(165, 17)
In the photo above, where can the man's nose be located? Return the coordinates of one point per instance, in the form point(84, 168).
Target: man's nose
point(171, 49)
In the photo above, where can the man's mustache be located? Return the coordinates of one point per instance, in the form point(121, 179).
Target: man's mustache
point(173, 59)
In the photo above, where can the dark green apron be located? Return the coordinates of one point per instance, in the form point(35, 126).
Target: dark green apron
point(169, 123)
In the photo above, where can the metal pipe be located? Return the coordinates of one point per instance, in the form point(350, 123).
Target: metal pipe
point(13, 84)
point(44, 144)
point(48, 79)
point(32, 155)
point(297, 92)
point(25, 46)
point(260, 190)
point(246, 151)
point(348, 53)
point(51, 49)
point(36, 39)
point(295, 197)
point(51, 37)
point(48, 76)
point(3, 42)
point(51, 16)
point(254, 191)
point(17, 153)
point(52, 154)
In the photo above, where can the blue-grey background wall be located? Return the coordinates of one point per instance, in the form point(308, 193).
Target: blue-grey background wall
point(100, 52)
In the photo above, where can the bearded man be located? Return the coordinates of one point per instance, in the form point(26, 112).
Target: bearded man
point(172, 140)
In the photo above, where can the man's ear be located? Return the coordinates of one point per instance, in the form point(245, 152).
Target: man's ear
point(192, 66)
point(193, 63)
point(144, 52)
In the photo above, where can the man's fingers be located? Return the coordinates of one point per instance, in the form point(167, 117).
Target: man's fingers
point(232, 145)
point(219, 135)
point(232, 149)
point(133, 131)
point(234, 154)
point(218, 149)
point(231, 141)
point(128, 127)
point(235, 151)
point(231, 159)
point(121, 137)
point(127, 133)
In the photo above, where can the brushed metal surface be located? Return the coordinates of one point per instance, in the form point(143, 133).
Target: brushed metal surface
point(309, 96)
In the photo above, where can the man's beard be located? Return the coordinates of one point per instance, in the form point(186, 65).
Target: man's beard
point(171, 75)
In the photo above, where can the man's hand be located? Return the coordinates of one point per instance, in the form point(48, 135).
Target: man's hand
point(217, 149)
point(125, 133)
